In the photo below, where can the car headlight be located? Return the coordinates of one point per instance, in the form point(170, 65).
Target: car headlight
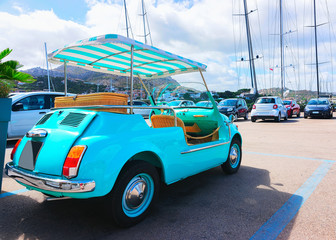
point(229, 109)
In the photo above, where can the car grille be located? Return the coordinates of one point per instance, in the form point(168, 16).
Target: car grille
point(73, 119)
point(44, 119)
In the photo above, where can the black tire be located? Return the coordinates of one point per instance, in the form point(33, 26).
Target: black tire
point(286, 118)
point(246, 116)
point(130, 211)
point(305, 116)
point(278, 118)
point(298, 115)
point(253, 119)
point(233, 160)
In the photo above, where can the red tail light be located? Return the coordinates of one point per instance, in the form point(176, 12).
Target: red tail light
point(254, 107)
point(275, 106)
point(72, 161)
point(14, 149)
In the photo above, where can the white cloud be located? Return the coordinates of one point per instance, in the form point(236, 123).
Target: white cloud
point(201, 30)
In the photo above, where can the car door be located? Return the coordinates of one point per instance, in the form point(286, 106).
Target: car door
point(296, 108)
point(281, 106)
point(240, 109)
point(26, 112)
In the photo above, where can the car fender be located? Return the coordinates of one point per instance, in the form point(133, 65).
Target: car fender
point(105, 158)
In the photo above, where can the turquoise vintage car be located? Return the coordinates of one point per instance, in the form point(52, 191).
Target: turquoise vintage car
point(85, 152)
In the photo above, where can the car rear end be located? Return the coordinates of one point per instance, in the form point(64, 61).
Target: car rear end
point(265, 108)
point(48, 159)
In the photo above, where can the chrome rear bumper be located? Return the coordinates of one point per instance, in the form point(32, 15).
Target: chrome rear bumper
point(49, 184)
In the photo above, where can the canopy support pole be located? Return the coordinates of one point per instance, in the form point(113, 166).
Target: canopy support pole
point(212, 100)
point(131, 78)
point(149, 95)
point(65, 79)
point(206, 86)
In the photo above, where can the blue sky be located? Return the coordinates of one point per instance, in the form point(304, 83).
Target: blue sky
point(74, 10)
point(202, 30)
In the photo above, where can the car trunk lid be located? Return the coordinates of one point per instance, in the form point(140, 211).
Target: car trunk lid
point(47, 154)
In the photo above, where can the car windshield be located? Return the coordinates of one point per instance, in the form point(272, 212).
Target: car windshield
point(318, 102)
point(287, 102)
point(174, 103)
point(204, 104)
point(265, 100)
point(228, 102)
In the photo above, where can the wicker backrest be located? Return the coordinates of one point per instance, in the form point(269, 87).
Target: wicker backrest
point(160, 121)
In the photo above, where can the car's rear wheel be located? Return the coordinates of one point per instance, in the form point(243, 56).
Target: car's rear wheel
point(246, 116)
point(135, 190)
point(298, 114)
point(253, 119)
point(278, 118)
point(233, 161)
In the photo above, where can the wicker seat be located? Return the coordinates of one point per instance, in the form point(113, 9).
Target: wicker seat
point(161, 121)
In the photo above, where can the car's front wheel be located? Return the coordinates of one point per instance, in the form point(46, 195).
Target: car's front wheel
point(233, 161)
point(135, 190)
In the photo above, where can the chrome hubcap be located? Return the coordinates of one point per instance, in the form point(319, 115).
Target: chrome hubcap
point(233, 155)
point(135, 193)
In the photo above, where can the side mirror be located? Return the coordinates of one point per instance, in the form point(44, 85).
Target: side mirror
point(231, 118)
point(17, 107)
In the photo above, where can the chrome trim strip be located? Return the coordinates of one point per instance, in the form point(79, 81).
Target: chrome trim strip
point(50, 184)
point(211, 146)
point(37, 133)
point(206, 147)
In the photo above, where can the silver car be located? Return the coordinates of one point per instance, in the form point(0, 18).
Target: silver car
point(27, 109)
point(269, 108)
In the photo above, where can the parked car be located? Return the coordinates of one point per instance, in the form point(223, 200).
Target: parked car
point(234, 106)
point(318, 107)
point(173, 104)
point(157, 111)
point(181, 103)
point(292, 108)
point(269, 108)
point(205, 104)
point(86, 152)
point(27, 109)
point(143, 112)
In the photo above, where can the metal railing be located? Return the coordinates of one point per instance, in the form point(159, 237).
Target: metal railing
point(94, 107)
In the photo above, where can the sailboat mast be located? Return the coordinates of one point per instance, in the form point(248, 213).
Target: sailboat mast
point(316, 55)
point(126, 18)
point(249, 44)
point(282, 51)
point(144, 22)
point(45, 47)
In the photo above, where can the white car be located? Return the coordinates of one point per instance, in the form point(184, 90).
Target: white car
point(269, 108)
point(27, 109)
point(144, 112)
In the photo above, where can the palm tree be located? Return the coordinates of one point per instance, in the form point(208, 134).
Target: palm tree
point(9, 73)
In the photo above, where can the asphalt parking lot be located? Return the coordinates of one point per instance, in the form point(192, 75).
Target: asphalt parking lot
point(285, 189)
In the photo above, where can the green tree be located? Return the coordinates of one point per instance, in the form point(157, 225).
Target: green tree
point(9, 74)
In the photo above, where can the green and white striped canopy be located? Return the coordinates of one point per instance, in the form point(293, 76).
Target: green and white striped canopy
point(111, 53)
